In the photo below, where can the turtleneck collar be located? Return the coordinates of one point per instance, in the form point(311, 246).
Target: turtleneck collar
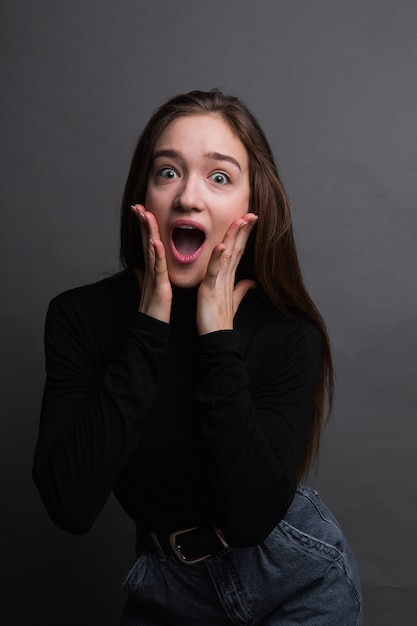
point(184, 306)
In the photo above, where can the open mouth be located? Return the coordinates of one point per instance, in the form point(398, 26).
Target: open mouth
point(187, 239)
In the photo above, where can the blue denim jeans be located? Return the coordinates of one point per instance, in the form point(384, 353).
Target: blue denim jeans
point(303, 573)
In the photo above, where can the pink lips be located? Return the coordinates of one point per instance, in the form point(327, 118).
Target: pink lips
point(187, 240)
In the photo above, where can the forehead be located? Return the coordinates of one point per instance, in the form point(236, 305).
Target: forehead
point(209, 132)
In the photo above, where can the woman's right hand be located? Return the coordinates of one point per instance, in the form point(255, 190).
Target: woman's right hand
point(154, 283)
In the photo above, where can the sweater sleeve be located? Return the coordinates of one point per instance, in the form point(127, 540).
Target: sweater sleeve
point(91, 421)
point(255, 434)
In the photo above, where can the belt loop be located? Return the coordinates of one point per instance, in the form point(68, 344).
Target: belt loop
point(159, 552)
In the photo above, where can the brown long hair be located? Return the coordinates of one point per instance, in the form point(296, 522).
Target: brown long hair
point(270, 257)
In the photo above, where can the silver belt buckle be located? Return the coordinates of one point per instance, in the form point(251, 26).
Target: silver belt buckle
point(176, 546)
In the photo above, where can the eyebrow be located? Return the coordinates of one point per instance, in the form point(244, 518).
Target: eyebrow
point(215, 156)
point(172, 154)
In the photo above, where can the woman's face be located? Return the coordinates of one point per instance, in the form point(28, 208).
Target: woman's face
point(198, 184)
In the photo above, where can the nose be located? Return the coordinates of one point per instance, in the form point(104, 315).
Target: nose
point(190, 195)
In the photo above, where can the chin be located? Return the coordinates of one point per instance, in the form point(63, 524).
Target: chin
point(185, 284)
point(181, 280)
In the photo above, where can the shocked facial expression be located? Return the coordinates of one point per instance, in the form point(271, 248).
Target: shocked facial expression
point(198, 184)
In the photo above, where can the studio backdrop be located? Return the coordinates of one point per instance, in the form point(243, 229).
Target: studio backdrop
point(334, 85)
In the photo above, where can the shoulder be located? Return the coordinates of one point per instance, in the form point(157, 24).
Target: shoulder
point(90, 322)
point(264, 330)
point(107, 294)
point(105, 290)
point(258, 315)
point(101, 309)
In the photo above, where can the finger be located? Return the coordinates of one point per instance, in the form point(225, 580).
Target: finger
point(160, 267)
point(242, 238)
point(214, 265)
point(233, 231)
point(238, 223)
point(251, 218)
point(152, 224)
point(235, 243)
point(138, 210)
point(147, 219)
point(140, 213)
point(246, 226)
point(239, 231)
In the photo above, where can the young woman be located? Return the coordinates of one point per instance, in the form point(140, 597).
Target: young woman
point(193, 385)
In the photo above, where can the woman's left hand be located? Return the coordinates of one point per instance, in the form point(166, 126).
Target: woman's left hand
point(218, 295)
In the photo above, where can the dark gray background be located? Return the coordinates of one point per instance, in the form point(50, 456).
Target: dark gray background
point(334, 84)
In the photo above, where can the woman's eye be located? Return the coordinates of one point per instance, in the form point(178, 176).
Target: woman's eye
point(168, 172)
point(219, 178)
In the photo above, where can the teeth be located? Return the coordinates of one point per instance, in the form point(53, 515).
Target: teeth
point(186, 227)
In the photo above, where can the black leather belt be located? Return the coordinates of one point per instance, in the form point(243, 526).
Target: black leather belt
point(190, 545)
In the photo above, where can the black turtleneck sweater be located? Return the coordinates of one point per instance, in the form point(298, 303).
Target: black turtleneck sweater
point(186, 430)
